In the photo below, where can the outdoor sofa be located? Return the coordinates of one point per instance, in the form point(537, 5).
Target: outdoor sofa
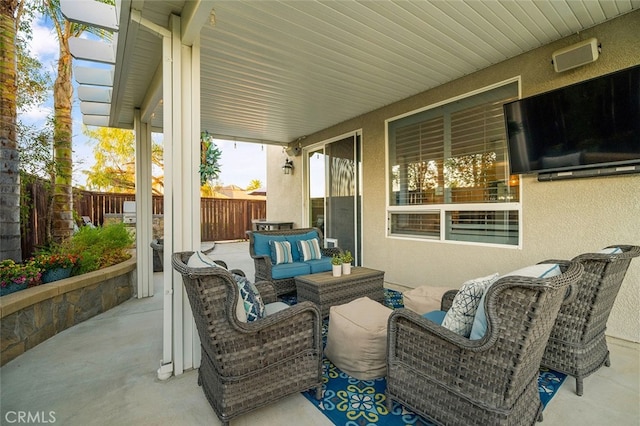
point(282, 272)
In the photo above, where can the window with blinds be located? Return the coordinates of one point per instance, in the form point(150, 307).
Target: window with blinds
point(449, 171)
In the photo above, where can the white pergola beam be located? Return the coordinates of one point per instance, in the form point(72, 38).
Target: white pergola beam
point(96, 120)
point(95, 108)
point(93, 50)
point(94, 94)
point(90, 12)
point(195, 15)
point(94, 76)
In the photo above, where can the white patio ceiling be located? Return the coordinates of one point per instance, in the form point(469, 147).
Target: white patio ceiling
point(275, 71)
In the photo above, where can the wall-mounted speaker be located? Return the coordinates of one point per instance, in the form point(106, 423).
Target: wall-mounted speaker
point(294, 151)
point(575, 55)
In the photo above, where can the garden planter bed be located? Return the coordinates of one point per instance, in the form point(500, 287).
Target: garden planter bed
point(31, 316)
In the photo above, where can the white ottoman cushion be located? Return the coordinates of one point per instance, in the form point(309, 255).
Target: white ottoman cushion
point(357, 338)
point(424, 299)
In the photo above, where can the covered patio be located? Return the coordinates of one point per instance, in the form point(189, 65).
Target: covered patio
point(102, 372)
point(298, 76)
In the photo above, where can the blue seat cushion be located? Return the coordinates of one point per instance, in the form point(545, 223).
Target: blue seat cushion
point(261, 243)
point(293, 239)
point(435, 316)
point(289, 270)
point(320, 265)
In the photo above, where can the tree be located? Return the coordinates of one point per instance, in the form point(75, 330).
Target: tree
point(114, 168)
point(11, 14)
point(254, 184)
point(62, 130)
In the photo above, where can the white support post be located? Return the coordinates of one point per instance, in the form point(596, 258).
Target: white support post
point(167, 363)
point(144, 254)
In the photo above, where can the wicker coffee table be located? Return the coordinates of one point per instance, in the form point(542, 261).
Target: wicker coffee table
point(325, 290)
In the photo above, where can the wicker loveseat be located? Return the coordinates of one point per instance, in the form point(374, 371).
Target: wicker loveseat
point(450, 379)
point(577, 345)
point(247, 365)
point(283, 275)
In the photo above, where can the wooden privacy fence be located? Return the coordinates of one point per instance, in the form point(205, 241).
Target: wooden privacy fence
point(221, 219)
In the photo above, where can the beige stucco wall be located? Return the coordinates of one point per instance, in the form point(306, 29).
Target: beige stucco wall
point(560, 219)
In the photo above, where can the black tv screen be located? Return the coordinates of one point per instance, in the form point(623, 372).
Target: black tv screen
point(590, 124)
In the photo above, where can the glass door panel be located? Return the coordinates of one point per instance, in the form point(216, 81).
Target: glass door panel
point(334, 192)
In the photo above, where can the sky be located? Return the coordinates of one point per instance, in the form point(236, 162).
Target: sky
point(240, 163)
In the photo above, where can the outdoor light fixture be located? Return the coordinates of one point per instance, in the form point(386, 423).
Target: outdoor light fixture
point(288, 167)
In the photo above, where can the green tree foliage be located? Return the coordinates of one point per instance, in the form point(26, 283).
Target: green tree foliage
point(114, 168)
point(210, 156)
point(11, 17)
point(254, 184)
point(62, 132)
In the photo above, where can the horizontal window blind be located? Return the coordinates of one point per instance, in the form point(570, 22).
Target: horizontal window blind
point(500, 227)
point(426, 225)
point(454, 154)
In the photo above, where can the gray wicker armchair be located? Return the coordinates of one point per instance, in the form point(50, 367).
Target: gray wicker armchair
point(452, 380)
point(248, 365)
point(263, 263)
point(577, 345)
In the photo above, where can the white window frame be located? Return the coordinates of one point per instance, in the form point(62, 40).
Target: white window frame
point(443, 209)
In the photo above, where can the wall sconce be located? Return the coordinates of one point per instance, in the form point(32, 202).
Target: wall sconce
point(288, 167)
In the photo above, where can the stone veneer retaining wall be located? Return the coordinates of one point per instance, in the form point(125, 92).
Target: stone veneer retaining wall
point(31, 316)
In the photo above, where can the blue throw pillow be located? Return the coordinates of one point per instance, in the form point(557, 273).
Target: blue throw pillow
point(435, 316)
point(309, 249)
point(281, 252)
point(611, 250)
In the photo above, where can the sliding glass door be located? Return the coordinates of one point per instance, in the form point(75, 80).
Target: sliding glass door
point(334, 192)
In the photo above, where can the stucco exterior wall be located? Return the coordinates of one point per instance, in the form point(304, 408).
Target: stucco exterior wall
point(560, 219)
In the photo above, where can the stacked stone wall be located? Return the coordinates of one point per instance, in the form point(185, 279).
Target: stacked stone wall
point(31, 316)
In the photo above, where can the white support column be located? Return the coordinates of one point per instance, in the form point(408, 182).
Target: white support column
point(144, 214)
point(167, 363)
point(181, 89)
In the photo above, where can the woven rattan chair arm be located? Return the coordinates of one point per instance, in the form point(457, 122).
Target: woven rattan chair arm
point(280, 319)
point(628, 252)
point(262, 266)
point(330, 251)
point(267, 291)
point(447, 300)
point(437, 335)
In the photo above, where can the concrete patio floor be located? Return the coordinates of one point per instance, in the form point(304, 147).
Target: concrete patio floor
point(103, 372)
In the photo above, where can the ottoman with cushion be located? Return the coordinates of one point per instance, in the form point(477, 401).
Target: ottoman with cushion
point(357, 338)
point(424, 299)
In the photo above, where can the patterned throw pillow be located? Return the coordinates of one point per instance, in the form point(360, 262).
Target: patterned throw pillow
point(251, 299)
point(309, 249)
point(200, 260)
point(459, 317)
point(281, 252)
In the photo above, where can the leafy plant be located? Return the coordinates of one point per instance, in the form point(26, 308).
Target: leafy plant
point(209, 159)
point(336, 259)
point(56, 260)
point(99, 247)
point(19, 273)
point(347, 257)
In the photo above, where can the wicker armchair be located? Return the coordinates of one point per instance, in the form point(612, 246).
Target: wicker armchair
point(248, 365)
point(452, 380)
point(263, 263)
point(577, 345)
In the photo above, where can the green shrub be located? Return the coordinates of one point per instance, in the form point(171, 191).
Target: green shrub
point(99, 247)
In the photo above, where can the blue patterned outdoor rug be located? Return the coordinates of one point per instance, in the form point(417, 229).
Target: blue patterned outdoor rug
point(351, 402)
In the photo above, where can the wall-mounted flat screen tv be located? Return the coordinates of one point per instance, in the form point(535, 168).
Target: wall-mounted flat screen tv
point(595, 123)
